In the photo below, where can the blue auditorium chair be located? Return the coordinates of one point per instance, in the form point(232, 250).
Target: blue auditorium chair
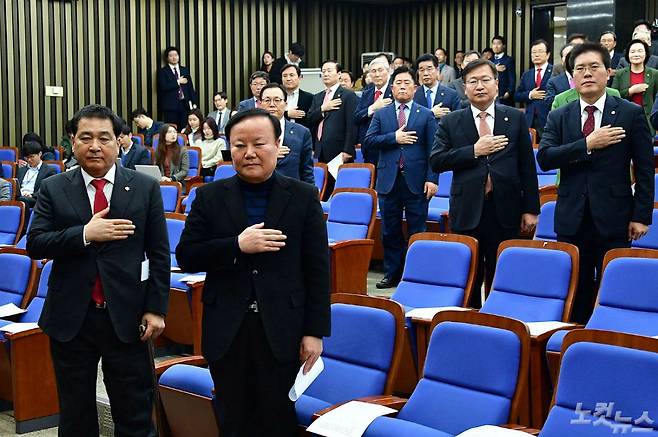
point(650, 239)
point(186, 202)
point(535, 281)
point(349, 229)
point(320, 177)
point(194, 173)
point(546, 221)
point(17, 276)
point(476, 368)
point(58, 166)
point(352, 176)
point(655, 193)
point(11, 221)
point(138, 139)
point(358, 158)
point(8, 169)
point(607, 384)
point(171, 193)
point(439, 204)
point(22, 243)
point(13, 184)
point(544, 178)
point(224, 171)
point(35, 304)
point(8, 154)
point(627, 299)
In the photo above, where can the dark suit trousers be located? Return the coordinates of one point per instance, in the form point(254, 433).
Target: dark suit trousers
point(592, 247)
point(126, 372)
point(489, 234)
point(179, 116)
point(391, 206)
point(252, 387)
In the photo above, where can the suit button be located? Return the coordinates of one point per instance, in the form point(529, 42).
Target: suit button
point(254, 272)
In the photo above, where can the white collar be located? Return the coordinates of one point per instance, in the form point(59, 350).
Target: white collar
point(174, 66)
point(128, 149)
point(288, 61)
point(569, 76)
point(296, 91)
point(600, 103)
point(37, 168)
point(543, 67)
point(499, 55)
point(333, 88)
point(109, 176)
point(491, 110)
point(398, 104)
point(434, 89)
point(383, 88)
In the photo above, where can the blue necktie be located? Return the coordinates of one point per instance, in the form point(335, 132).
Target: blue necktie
point(428, 96)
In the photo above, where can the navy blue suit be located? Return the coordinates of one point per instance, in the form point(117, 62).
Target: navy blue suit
point(249, 103)
point(174, 109)
point(536, 111)
point(137, 155)
point(556, 85)
point(444, 95)
point(362, 120)
point(506, 79)
point(396, 189)
point(297, 164)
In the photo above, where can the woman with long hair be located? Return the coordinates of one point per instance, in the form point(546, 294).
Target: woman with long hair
point(211, 147)
point(193, 128)
point(266, 61)
point(171, 157)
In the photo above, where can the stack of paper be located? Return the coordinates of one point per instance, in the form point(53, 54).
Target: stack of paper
point(538, 328)
point(191, 279)
point(14, 328)
point(9, 310)
point(429, 313)
point(492, 431)
point(349, 420)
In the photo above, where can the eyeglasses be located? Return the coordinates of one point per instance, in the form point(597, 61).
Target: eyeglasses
point(426, 69)
point(275, 100)
point(593, 68)
point(485, 81)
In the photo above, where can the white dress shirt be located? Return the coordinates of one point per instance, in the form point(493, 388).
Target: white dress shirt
point(293, 100)
point(91, 191)
point(490, 119)
point(30, 179)
point(282, 121)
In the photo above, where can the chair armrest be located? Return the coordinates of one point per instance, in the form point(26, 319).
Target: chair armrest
point(193, 180)
point(446, 222)
point(546, 335)
point(350, 260)
point(389, 401)
point(17, 336)
point(351, 243)
point(194, 360)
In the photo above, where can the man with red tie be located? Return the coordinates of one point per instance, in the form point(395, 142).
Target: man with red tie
point(176, 94)
point(593, 141)
point(104, 228)
point(533, 84)
point(494, 184)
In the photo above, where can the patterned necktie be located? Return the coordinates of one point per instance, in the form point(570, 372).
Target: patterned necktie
point(538, 78)
point(588, 127)
point(402, 120)
point(485, 130)
point(100, 203)
point(181, 96)
point(325, 100)
point(430, 100)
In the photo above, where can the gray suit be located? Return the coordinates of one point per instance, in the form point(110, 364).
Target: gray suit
point(458, 85)
point(448, 74)
point(226, 114)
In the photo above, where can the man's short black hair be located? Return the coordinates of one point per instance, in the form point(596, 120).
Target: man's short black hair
point(567, 63)
point(611, 32)
point(350, 74)
point(499, 38)
point(576, 36)
point(541, 41)
point(445, 52)
point(251, 113)
point(398, 57)
point(487, 50)
point(125, 129)
point(168, 50)
point(139, 111)
point(427, 57)
point(221, 94)
point(259, 75)
point(35, 137)
point(339, 68)
point(297, 49)
point(479, 63)
point(404, 69)
point(97, 111)
point(31, 148)
point(472, 52)
point(289, 66)
point(274, 85)
point(647, 50)
point(587, 47)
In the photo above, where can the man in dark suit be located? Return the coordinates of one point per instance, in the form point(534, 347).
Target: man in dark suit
point(131, 154)
point(294, 56)
point(221, 114)
point(532, 86)
point(257, 81)
point(608, 39)
point(506, 71)
point(299, 101)
point(31, 176)
point(494, 183)
point(372, 100)
point(433, 95)
point(295, 158)
point(176, 94)
point(262, 240)
point(403, 134)
point(563, 81)
point(146, 125)
point(101, 225)
point(332, 117)
point(593, 142)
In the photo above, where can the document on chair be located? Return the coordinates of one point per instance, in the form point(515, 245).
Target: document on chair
point(14, 328)
point(349, 420)
point(9, 310)
point(539, 328)
point(492, 431)
point(175, 269)
point(191, 279)
point(429, 313)
point(302, 382)
point(333, 165)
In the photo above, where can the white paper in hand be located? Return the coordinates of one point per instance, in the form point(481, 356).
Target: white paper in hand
point(9, 310)
point(349, 420)
point(492, 431)
point(302, 382)
point(333, 165)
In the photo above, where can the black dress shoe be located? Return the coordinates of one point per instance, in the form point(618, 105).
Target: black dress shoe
point(387, 282)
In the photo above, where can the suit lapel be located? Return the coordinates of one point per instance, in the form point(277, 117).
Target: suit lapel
point(547, 76)
point(609, 112)
point(501, 127)
point(277, 203)
point(40, 176)
point(76, 192)
point(468, 124)
point(573, 120)
point(235, 203)
point(122, 193)
point(413, 112)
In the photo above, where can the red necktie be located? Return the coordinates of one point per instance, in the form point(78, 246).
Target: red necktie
point(100, 203)
point(588, 127)
point(378, 94)
point(485, 130)
point(402, 120)
point(538, 78)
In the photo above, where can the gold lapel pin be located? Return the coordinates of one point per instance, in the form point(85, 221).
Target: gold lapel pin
point(612, 112)
point(506, 119)
point(127, 188)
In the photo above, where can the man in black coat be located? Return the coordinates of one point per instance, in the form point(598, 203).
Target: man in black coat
point(262, 240)
point(176, 94)
point(294, 56)
point(331, 117)
point(131, 153)
point(593, 141)
point(104, 228)
point(299, 101)
point(31, 176)
point(494, 185)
